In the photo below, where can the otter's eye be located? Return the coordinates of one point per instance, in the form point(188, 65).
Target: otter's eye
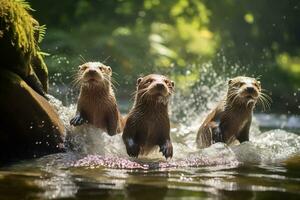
point(169, 84)
point(239, 84)
point(101, 68)
point(149, 81)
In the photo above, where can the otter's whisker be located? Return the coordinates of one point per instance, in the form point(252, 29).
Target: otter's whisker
point(266, 96)
point(265, 102)
point(262, 103)
point(106, 59)
point(82, 59)
point(114, 81)
point(115, 73)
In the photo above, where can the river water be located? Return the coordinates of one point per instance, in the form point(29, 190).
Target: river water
point(96, 165)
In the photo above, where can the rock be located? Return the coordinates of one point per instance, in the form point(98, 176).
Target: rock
point(29, 126)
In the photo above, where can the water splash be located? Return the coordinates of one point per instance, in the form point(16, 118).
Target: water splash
point(96, 161)
point(95, 148)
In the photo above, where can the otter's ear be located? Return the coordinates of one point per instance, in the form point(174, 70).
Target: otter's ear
point(109, 69)
point(138, 81)
point(82, 67)
point(172, 84)
point(229, 81)
point(259, 83)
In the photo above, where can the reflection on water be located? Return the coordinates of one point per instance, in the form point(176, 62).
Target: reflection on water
point(97, 166)
point(58, 182)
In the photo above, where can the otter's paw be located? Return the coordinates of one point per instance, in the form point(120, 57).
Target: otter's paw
point(77, 120)
point(132, 148)
point(167, 149)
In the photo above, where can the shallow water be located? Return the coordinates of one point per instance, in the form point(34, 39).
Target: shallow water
point(96, 166)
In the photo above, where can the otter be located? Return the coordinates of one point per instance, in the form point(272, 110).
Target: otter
point(148, 123)
point(232, 117)
point(97, 104)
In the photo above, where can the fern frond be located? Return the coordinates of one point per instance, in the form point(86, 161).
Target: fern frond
point(42, 31)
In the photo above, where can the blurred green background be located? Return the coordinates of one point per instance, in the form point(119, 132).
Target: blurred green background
point(259, 38)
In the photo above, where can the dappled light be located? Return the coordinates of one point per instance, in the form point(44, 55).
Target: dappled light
point(149, 99)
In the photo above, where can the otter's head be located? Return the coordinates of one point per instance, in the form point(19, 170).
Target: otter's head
point(94, 73)
point(243, 91)
point(154, 88)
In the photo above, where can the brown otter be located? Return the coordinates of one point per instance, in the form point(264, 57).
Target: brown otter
point(231, 119)
point(97, 103)
point(148, 122)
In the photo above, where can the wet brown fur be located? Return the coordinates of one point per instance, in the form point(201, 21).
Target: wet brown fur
point(231, 119)
point(97, 104)
point(148, 122)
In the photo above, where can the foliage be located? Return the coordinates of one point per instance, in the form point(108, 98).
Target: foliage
point(16, 28)
point(19, 37)
point(259, 37)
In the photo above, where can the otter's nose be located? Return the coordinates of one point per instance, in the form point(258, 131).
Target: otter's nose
point(92, 71)
point(250, 90)
point(160, 86)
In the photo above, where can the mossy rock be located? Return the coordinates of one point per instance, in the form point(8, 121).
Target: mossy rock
point(29, 126)
point(19, 37)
